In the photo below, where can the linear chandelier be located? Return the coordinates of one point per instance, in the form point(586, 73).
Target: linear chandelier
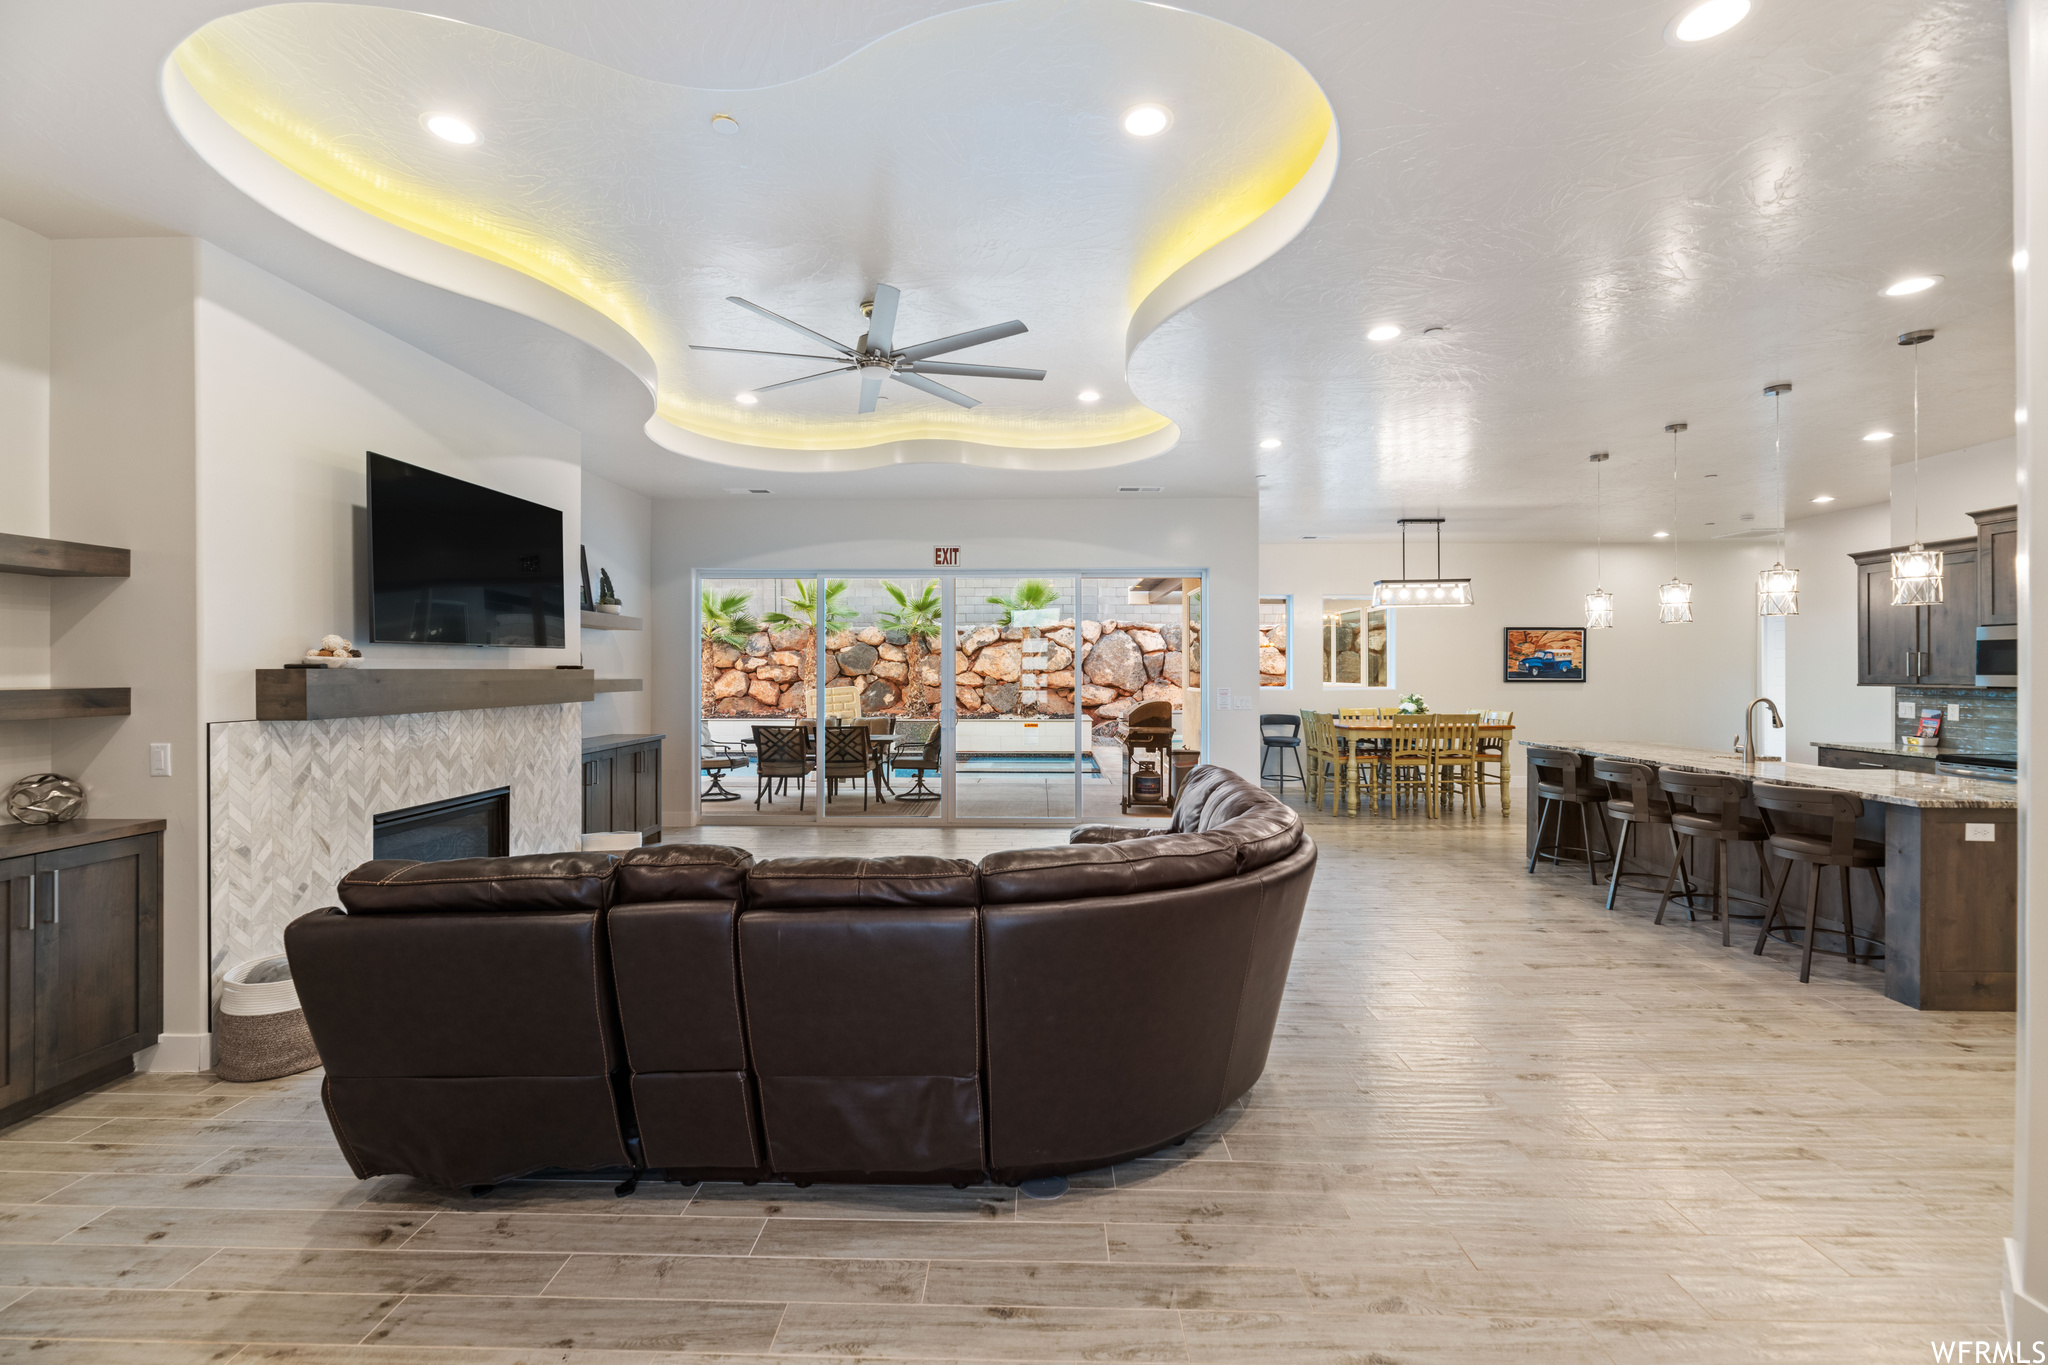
point(1422, 592)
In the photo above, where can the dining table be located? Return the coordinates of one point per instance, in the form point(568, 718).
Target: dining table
point(1495, 738)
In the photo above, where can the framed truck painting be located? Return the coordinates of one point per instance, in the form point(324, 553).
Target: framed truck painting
point(1544, 654)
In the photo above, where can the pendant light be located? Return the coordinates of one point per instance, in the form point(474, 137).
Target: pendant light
point(1777, 588)
point(1599, 602)
point(1916, 570)
point(1422, 592)
point(1674, 599)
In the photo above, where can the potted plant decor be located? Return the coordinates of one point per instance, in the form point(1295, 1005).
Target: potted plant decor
point(607, 600)
point(1412, 705)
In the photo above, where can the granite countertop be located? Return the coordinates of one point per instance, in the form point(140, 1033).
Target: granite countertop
point(1886, 785)
point(1872, 746)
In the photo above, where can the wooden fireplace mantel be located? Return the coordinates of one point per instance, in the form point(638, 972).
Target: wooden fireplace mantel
point(342, 693)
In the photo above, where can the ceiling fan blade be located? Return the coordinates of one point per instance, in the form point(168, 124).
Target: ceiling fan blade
point(770, 388)
point(742, 350)
point(934, 388)
point(882, 321)
point(818, 337)
point(975, 371)
point(958, 342)
point(870, 388)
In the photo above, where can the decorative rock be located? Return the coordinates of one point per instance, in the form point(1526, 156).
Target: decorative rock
point(1057, 704)
point(748, 662)
point(871, 635)
point(1059, 657)
point(839, 639)
point(928, 674)
point(857, 659)
point(1272, 660)
point(1091, 695)
point(831, 667)
point(1116, 662)
point(731, 683)
point(1002, 696)
point(969, 678)
point(757, 644)
point(1063, 679)
point(1153, 663)
point(723, 655)
point(1091, 631)
point(1148, 640)
point(1063, 637)
point(892, 670)
point(787, 658)
point(793, 638)
point(966, 698)
point(780, 673)
point(1116, 710)
point(1170, 634)
point(1013, 632)
point(895, 637)
point(1170, 666)
point(1160, 691)
point(893, 653)
point(765, 692)
point(878, 695)
point(979, 636)
point(1004, 661)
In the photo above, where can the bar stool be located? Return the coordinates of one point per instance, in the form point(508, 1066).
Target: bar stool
point(1565, 778)
point(1838, 848)
point(1725, 826)
point(1644, 804)
point(1286, 741)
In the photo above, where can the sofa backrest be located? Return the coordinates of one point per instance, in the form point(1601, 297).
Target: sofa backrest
point(1158, 862)
point(1217, 800)
point(540, 881)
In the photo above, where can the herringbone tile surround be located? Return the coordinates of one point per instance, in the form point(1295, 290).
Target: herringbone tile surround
point(1499, 1123)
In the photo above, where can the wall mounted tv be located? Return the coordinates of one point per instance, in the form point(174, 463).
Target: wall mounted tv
point(452, 563)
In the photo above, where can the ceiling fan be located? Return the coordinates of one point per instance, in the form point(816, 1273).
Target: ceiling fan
point(876, 358)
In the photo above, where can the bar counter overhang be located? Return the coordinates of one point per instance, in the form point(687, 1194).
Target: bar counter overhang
point(1951, 922)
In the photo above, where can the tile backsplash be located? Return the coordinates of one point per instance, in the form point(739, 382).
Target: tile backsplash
point(1989, 723)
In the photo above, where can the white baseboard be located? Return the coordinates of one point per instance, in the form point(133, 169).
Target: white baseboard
point(2026, 1317)
point(177, 1052)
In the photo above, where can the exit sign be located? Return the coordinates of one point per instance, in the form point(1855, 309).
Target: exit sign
point(945, 556)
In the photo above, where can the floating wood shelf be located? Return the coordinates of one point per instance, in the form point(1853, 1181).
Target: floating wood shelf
point(340, 693)
point(61, 558)
point(604, 620)
point(618, 684)
point(62, 703)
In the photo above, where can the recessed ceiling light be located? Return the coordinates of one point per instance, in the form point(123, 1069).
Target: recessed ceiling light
point(1386, 331)
point(1825, 497)
point(1090, 396)
point(1697, 23)
point(1270, 443)
point(1659, 535)
point(724, 123)
point(1146, 120)
point(1878, 436)
point(1912, 285)
point(449, 128)
point(747, 398)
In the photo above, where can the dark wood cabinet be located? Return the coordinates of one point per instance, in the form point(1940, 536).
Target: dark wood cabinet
point(622, 784)
point(1863, 758)
point(1998, 552)
point(1927, 646)
point(82, 974)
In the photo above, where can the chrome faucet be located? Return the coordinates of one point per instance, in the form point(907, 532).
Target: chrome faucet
point(1749, 730)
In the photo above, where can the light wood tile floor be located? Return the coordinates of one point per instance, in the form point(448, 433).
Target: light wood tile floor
point(1499, 1123)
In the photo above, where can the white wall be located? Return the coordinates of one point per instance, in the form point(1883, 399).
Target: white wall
point(1674, 684)
point(1952, 485)
point(291, 393)
point(1216, 534)
point(24, 485)
point(1823, 702)
point(122, 473)
point(618, 534)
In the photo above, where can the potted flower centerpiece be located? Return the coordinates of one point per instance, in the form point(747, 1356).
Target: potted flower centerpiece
point(1412, 705)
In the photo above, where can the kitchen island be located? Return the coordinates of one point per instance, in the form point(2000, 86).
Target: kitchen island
point(1951, 875)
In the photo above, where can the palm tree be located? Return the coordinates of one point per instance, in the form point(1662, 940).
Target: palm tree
point(919, 617)
point(1030, 594)
point(726, 622)
point(806, 605)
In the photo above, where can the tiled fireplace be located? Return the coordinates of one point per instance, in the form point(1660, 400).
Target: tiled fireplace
point(292, 805)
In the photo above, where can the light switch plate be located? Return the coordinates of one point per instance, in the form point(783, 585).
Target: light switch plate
point(1905, 710)
point(1223, 699)
point(1955, 711)
point(1980, 834)
point(159, 760)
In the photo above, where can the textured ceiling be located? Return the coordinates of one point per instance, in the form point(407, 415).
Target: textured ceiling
point(1614, 233)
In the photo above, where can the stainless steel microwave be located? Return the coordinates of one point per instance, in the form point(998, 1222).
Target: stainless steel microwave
point(1998, 656)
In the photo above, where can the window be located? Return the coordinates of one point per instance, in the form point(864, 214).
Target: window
point(1357, 647)
point(1276, 630)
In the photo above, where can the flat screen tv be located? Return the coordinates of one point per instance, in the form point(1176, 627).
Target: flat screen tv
point(452, 563)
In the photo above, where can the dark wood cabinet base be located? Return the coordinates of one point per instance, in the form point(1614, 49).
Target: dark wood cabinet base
point(57, 1094)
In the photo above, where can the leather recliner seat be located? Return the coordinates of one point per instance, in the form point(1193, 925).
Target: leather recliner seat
point(898, 1019)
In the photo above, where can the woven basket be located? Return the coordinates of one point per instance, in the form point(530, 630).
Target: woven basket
point(260, 1032)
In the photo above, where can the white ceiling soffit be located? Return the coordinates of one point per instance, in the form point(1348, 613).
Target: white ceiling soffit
point(976, 160)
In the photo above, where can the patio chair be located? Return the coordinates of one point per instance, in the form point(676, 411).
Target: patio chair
point(779, 754)
point(847, 759)
point(716, 758)
point(916, 752)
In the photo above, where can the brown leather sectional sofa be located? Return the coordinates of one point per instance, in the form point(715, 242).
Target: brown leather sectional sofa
point(686, 1009)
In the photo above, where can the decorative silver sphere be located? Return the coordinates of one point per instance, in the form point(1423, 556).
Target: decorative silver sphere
point(45, 799)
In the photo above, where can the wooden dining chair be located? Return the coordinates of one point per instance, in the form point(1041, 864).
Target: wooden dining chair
point(1313, 757)
point(1454, 765)
point(1493, 757)
point(1410, 763)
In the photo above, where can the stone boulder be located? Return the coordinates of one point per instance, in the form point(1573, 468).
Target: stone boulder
point(795, 637)
point(1091, 631)
point(899, 638)
point(757, 644)
point(878, 695)
point(928, 674)
point(871, 635)
point(731, 683)
point(1058, 658)
point(1063, 679)
point(1003, 662)
point(893, 653)
point(839, 639)
point(788, 658)
point(1153, 664)
point(966, 698)
point(1002, 696)
point(1149, 641)
point(765, 692)
point(1116, 662)
point(1057, 704)
point(857, 659)
point(1092, 695)
point(1160, 691)
point(776, 673)
point(980, 636)
point(893, 670)
point(723, 655)
point(1272, 660)
point(1170, 634)
point(1115, 710)
point(1170, 666)
point(831, 670)
point(749, 662)
point(1063, 637)
point(1013, 633)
